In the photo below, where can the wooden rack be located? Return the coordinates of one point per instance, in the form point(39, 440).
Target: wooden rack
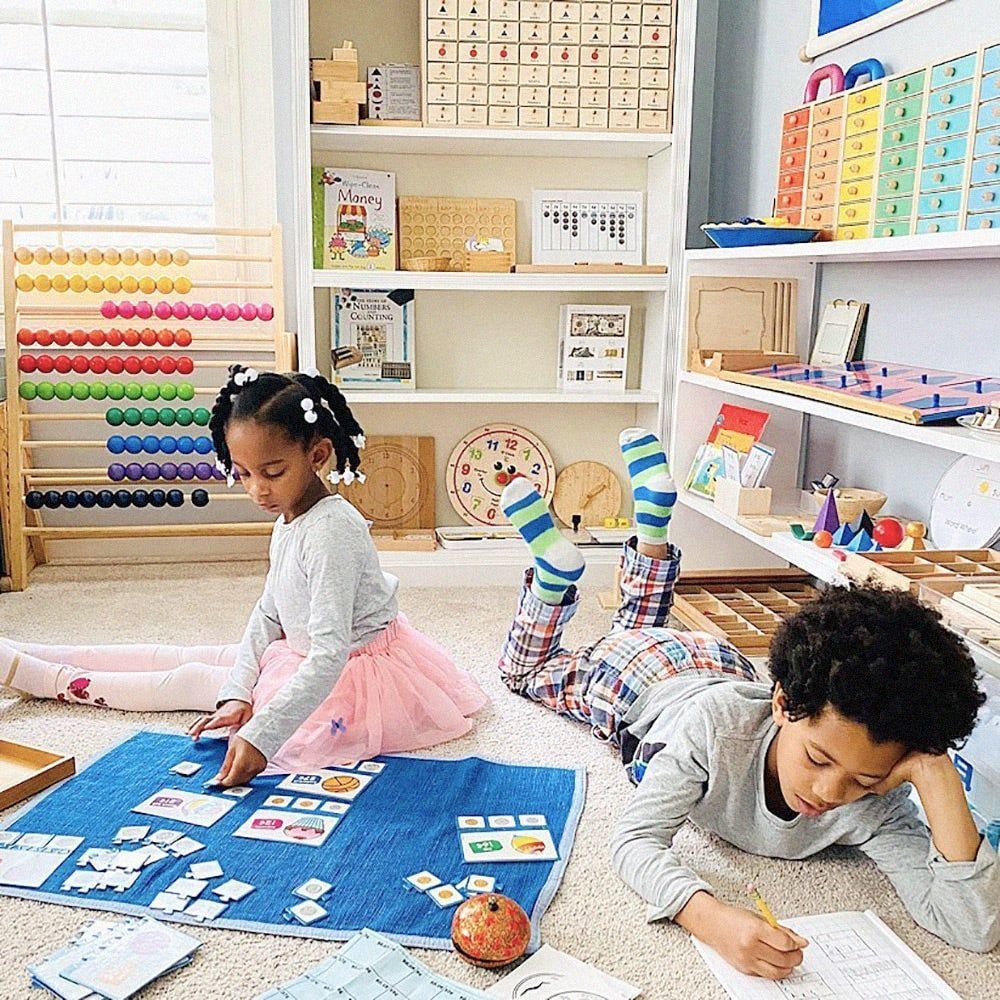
point(243, 264)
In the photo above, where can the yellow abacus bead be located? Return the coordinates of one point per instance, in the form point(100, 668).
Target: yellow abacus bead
point(24, 282)
point(182, 285)
point(129, 284)
point(95, 256)
point(23, 255)
point(43, 283)
point(95, 283)
point(181, 257)
point(60, 283)
point(112, 256)
point(77, 283)
point(163, 257)
point(146, 257)
point(129, 257)
point(77, 256)
point(112, 284)
point(147, 285)
point(42, 255)
point(59, 256)
point(164, 285)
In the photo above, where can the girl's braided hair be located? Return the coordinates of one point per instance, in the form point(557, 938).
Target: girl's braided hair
point(303, 406)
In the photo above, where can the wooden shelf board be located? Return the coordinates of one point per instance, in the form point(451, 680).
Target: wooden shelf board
point(631, 397)
point(480, 282)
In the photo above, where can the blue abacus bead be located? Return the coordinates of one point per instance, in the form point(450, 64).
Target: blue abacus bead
point(123, 499)
point(203, 445)
point(199, 498)
point(116, 444)
point(105, 499)
point(70, 499)
point(185, 471)
point(175, 498)
point(133, 444)
point(134, 471)
point(203, 470)
point(168, 444)
point(185, 444)
point(979, 385)
point(88, 499)
point(168, 471)
point(34, 500)
point(116, 472)
point(52, 499)
point(151, 470)
point(807, 374)
point(151, 444)
point(157, 498)
point(140, 498)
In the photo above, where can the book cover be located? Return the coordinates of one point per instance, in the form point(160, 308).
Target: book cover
point(379, 325)
point(354, 219)
point(736, 427)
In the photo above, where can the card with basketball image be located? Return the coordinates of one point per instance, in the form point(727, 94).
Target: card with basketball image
point(336, 784)
point(445, 896)
point(508, 845)
point(288, 827)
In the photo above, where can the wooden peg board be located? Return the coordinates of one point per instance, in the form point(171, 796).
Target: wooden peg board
point(906, 570)
point(398, 491)
point(589, 489)
point(439, 227)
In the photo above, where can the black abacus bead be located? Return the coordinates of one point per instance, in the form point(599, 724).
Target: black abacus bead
point(140, 498)
point(123, 499)
point(70, 499)
point(199, 498)
point(158, 498)
point(175, 498)
point(34, 500)
point(53, 499)
point(88, 499)
point(105, 499)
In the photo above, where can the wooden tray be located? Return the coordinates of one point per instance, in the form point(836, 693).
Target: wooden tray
point(26, 770)
point(906, 570)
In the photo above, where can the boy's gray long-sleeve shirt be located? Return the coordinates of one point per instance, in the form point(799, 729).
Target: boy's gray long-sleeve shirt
point(715, 734)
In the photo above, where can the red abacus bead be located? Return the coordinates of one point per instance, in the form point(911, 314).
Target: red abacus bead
point(143, 310)
point(182, 338)
point(180, 310)
point(27, 363)
point(79, 338)
point(61, 338)
point(148, 337)
point(125, 309)
point(114, 338)
point(95, 338)
point(133, 365)
point(265, 311)
point(168, 365)
point(44, 338)
point(46, 364)
point(185, 366)
point(214, 311)
point(130, 338)
point(63, 364)
point(109, 310)
point(116, 365)
point(165, 338)
point(248, 310)
point(150, 364)
point(98, 365)
point(197, 311)
point(25, 337)
point(81, 364)
point(231, 312)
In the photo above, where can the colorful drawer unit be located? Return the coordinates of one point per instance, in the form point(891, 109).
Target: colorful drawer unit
point(549, 64)
point(861, 135)
point(896, 174)
point(826, 133)
point(982, 207)
point(789, 198)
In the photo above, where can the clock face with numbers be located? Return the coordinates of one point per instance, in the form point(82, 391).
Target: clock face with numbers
point(485, 461)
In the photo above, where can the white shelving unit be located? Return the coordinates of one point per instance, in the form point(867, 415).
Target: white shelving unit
point(467, 377)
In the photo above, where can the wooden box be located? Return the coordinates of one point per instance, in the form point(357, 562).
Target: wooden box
point(710, 362)
point(907, 570)
point(26, 770)
point(329, 113)
point(339, 92)
point(491, 262)
point(741, 501)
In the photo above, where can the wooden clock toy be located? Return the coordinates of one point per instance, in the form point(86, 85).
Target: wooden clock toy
point(486, 460)
point(588, 490)
point(398, 491)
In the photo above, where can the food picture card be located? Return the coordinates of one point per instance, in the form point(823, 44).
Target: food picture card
point(336, 784)
point(185, 807)
point(310, 829)
point(508, 845)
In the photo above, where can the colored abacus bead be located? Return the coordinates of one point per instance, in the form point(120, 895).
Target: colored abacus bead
point(203, 445)
point(23, 255)
point(131, 338)
point(80, 364)
point(182, 285)
point(182, 338)
point(199, 498)
point(150, 416)
point(163, 257)
point(130, 284)
point(52, 499)
point(184, 417)
point(109, 310)
point(24, 283)
point(164, 285)
point(116, 390)
point(129, 257)
point(168, 391)
point(150, 364)
point(33, 499)
point(111, 256)
point(165, 338)
point(116, 472)
point(46, 391)
point(64, 364)
point(157, 498)
point(140, 498)
point(202, 416)
point(168, 416)
point(185, 365)
point(185, 444)
point(60, 283)
point(181, 258)
point(81, 391)
point(146, 257)
point(27, 390)
point(162, 310)
point(133, 444)
point(116, 443)
point(180, 310)
point(115, 416)
point(214, 311)
point(185, 470)
point(203, 470)
point(185, 391)
point(197, 311)
point(77, 256)
point(88, 499)
point(114, 338)
point(44, 338)
point(116, 364)
point(105, 499)
point(143, 310)
point(95, 338)
point(98, 390)
point(147, 285)
point(126, 310)
point(98, 365)
point(134, 471)
point(123, 498)
point(133, 417)
point(168, 365)
point(150, 392)
point(45, 363)
point(152, 470)
point(27, 363)
point(64, 391)
point(265, 311)
point(60, 256)
point(168, 444)
point(151, 444)
point(232, 312)
point(25, 337)
point(175, 498)
point(248, 311)
point(112, 284)
point(70, 499)
point(43, 283)
point(95, 283)
point(148, 337)
point(168, 470)
point(95, 256)
point(133, 390)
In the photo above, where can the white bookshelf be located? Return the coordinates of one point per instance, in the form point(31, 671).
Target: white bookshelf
point(455, 281)
point(438, 397)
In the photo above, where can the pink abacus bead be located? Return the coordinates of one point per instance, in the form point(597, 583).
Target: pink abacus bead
point(109, 310)
point(265, 311)
point(215, 311)
point(143, 310)
point(180, 310)
point(163, 310)
point(232, 311)
point(248, 310)
point(126, 310)
point(197, 311)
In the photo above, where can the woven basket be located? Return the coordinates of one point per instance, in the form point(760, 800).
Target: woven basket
point(850, 502)
point(426, 264)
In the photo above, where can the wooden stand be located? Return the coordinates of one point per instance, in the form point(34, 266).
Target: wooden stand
point(740, 501)
point(337, 91)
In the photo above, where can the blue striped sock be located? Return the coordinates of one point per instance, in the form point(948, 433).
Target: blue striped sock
point(653, 491)
point(558, 563)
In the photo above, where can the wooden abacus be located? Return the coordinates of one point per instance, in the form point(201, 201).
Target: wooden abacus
point(213, 335)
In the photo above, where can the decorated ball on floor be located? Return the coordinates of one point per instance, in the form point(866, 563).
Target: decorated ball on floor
point(888, 532)
point(490, 931)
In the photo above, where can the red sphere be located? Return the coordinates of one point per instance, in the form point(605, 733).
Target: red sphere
point(44, 338)
point(116, 365)
point(45, 364)
point(490, 931)
point(114, 338)
point(150, 364)
point(823, 539)
point(185, 366)
point(78, 338)
point(27, 363)
point(168, 365)
point(130, 338)
point(182, 338)
point(63, 364)
point(25, 337)
point(61, 338)
point(148, 337)
point(81, 365)
point(98, 365)
point(888, 532)
point(165, 338)
point(95, 338)
point(133, 365)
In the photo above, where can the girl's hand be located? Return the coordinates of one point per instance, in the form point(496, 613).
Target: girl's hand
point(243, 762)
point(228, 715)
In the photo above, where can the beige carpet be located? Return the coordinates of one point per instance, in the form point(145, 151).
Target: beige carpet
point(594, 916)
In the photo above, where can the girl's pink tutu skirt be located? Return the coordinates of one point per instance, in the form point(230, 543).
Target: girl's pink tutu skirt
point(399, 692)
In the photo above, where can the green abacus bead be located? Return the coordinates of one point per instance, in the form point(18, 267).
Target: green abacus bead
point(27, 390)
point(64, 391)
point(184, 416)
point(80, 390)
point(150, 416)
point(168, 391)
point(116, 390)
point(168, 416)
point(133, 390)
point(98, 390)
point(114, 416)
point(133, 417)
point(46, 390)
point(202, 416)
point(150, 392)
point(185, 391)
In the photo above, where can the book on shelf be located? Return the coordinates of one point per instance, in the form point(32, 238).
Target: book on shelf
point(354, 219)
point(735, 427)
point(378, 325)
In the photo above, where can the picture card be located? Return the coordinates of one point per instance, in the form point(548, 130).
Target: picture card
point(371, 767)
point(278, 801)
point(314, 889)
point(288, 827)
point(307, 912)
point(169, 902)
point(185, 846)
point(185, 807)
point(337, 784)
point(501, 822)
point(205, 869)
point(308, 804)
point(445, 895)
point(239, 792)
point(187, 887)
point(337, 808)
point(7, 837)
point(29, 867)
point(555, 974)
point(508, 845)
point(471, 822)
point(186, 768)
point(423, 880)
point(128, 834)
point(480, 883)
point(532, 819)
point(164, 837)
point(205, 909)
point(233, 890)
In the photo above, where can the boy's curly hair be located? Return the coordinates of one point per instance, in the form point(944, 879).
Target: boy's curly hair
point(880, 658)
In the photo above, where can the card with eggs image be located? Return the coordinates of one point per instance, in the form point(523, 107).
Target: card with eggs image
point(336, 784)
point(288, 827)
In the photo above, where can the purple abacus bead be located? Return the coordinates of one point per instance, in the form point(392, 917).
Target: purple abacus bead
point(109, 309)
point(133, 471)
point(231, 311)
point(197, 311)
point(168, 470)
point(265, 311)
point(162, 310)
point(180, 310)
point(218, 474)
point(126, 310)
point(203, 470)
point(248, 310)
point(116, 472)
point(143, 310)
point(185, 471)
point(151, 470)
point(214, 310)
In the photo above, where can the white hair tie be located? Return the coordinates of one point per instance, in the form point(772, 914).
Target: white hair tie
point(309, 411)
point(243, 378)
point(359, 441)
point(230, 478)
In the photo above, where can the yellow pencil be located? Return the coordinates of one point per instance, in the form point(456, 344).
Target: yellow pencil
point(765, 910)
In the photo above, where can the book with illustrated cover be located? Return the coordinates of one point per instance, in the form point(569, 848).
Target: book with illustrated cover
point(736, 427)
point(354, 219)
point(375, 328)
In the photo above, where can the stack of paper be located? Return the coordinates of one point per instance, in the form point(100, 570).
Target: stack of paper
point(113, 960)
point(554, 974)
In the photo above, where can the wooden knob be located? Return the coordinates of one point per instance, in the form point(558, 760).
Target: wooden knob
point(893, 185)
point(946, 98)
point(944, 125)
point(897, 136)
point(853, 189)
point(859, 122)
point(935, 202)
point(985, 224)
point(855, 144)
point(901, 87)
point(949, 71)
point(989, 196)
point(899, 112)
point(891, 209)
point(940, 151)
point(824, 132)
point(887, 231)
point(850, 213)
point(820, 175)
point(855, 168)
point(933, 228)
point(849, 234)
point(938, 177)
point(992, 168)
point(895, 160)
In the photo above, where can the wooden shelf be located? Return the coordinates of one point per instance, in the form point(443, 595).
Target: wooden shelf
point(954, 439)
point(488, 141)
point(632, 397)
point(477, 282)
point(966, 245)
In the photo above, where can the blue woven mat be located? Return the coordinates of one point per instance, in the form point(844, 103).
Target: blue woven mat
point(402, 823)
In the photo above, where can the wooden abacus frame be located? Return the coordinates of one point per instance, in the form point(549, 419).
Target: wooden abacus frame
point(25, 535)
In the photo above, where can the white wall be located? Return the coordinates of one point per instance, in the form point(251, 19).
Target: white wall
point(937, 314)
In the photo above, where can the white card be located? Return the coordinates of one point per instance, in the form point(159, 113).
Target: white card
point(99, 858)
point(185, 807)
point(314, 889)
point(26, 867)
point(423, 880)
point(461, 885)
point(187, 887)
point(205, 909)
point(81, 881)
point(501, 822)
point(33, 840)
point(205, 869)
point(186, 768)
point(128, 834)
point(471, 823)
point(532, 819)
point(153, 854)
point(7, 837)
point(64, 843)
point(164, 837)
point(239, 792)
point(308, 804)
point(480, 883)
point(169, 902)
point(338, 784)
point(508, 845)
point(233, 889)
point(337, 808)
point(278, 801)
point(288, 827)
point(307, 912)
point(371, 767)
point(185, 846)
point(445, 895)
